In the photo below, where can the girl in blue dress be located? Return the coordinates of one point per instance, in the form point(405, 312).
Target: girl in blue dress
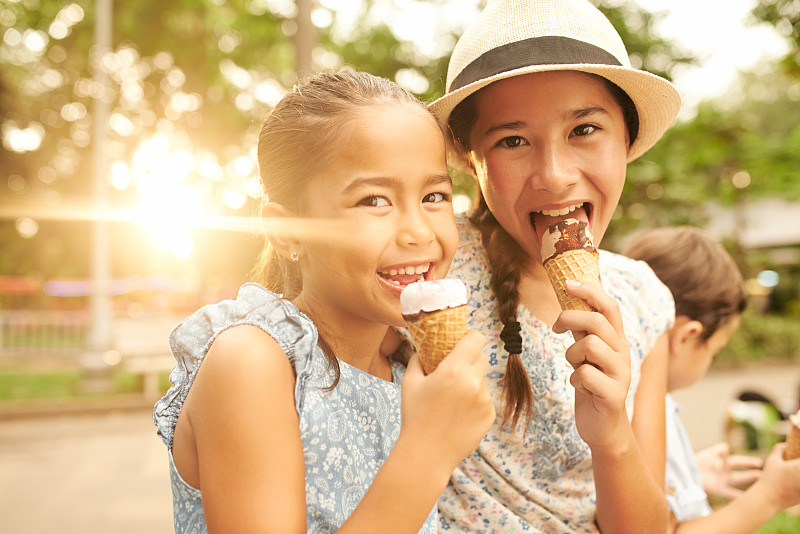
point(284, 414)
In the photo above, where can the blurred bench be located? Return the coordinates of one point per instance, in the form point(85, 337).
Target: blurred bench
point(149, 368)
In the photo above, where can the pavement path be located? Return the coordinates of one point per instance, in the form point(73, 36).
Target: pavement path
point(107, 472)
point(704, 403)
point(71, 474)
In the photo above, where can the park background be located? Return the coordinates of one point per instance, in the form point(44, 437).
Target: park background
point(128, 180)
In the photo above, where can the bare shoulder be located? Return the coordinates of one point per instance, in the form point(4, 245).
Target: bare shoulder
point(248, 338)
point(244, 366)
point(246, 349)
point(242, 397)
point(245, 376)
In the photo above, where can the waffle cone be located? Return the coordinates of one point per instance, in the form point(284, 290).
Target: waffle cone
point(436, 333)
point(792, 450)
point(579, 264)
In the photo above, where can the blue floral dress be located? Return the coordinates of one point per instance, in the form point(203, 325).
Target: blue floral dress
point(347, 432)
point(542, 481)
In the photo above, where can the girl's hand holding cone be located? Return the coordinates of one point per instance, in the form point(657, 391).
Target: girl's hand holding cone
point(601, 361)
point(449, 411)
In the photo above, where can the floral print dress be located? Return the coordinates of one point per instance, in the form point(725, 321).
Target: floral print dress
point(542, 481)
point(347, 432)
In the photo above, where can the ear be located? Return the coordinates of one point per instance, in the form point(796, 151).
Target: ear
point(684, 334)
point(277, 225)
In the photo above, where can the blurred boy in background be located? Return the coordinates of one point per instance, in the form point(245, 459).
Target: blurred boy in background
point(709, 300)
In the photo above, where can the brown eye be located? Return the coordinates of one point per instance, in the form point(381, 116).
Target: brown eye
point(373, 201)
point(512, 141)
point(584, 129)
point(436, 197)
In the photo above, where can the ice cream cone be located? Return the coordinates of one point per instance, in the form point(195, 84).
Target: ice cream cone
point(436, 314)
point(792, 450)
point(569, 254)
point(436, 333)
point(578, 264)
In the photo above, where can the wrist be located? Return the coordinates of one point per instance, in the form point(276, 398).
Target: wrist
point(767, 497)
point(619, 445)
point(421, 460)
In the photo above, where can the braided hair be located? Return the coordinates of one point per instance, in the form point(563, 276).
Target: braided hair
point(506, 256)
point(505, 259)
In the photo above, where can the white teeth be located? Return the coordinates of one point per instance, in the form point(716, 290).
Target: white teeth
point(420, 269)
point(562, 211)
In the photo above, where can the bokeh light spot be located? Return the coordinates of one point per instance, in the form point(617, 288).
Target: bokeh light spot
point(26, 227)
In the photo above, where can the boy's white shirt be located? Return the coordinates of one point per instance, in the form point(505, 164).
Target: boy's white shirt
point(683, 485)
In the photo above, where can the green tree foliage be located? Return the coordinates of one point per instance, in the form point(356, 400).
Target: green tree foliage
point(741, 147)
point(784, 15)
point(200, 75)
point(646, 49)
point(186, 77)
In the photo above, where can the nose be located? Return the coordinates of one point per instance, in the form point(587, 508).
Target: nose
point(552, 168)
point(414, 228)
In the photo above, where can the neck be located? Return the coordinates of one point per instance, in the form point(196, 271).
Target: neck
point(356, 342)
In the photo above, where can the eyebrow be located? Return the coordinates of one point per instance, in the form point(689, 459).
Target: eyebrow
point(572, 114)
point(516, 125)
point(390, 182)
point(585, 112)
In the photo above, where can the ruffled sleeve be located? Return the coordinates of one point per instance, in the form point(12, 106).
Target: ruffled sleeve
point(192, 338)
point(646, 304)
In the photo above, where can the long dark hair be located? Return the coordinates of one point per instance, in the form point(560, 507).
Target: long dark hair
point(506, 257)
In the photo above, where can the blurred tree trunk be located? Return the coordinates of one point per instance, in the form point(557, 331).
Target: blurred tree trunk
point(305, 39)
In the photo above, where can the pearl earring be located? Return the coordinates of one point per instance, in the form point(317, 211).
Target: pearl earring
point(294, 256)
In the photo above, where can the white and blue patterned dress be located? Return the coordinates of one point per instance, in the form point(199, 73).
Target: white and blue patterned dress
point(347, 432)
point(542, 481)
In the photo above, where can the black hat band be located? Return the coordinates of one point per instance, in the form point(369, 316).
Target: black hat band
point(548, 50)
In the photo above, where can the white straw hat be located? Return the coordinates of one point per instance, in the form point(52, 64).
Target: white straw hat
point(515, 37)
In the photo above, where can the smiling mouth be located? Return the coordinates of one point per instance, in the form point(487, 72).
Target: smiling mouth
point(403, 276)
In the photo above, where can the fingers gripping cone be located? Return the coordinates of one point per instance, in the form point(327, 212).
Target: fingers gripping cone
point(436, 313)
point(578, 264)
point(569, 254)
point(792, 450)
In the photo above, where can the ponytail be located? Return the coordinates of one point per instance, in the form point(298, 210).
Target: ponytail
point(505, 258)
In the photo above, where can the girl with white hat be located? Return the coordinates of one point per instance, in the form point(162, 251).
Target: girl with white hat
point(543, 106)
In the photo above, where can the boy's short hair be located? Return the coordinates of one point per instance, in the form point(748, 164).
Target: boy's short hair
point(704, 280)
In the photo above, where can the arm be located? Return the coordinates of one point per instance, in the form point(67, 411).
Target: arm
point(648, 422)
point(445, 415)
point(777, 489)
point(629, 500)
point(252, 481)
point(247, 436)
